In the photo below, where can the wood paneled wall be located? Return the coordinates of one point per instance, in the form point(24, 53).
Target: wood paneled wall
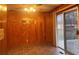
point(48, 28)
point(3, 42)
point(37, 33)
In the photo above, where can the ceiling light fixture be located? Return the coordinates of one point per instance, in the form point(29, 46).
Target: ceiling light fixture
point(25, 9)
point(0, 6)
point(3, 8)
point(31, 9)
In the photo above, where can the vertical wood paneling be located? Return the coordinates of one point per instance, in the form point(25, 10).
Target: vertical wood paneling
point(3, 42)
point(19, 33)
point(48, 25)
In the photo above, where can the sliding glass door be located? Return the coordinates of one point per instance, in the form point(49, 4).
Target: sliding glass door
point(67, 36)
point(71, 37)
point(60, 31)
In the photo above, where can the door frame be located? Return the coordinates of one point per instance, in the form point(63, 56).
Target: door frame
point(63, 12)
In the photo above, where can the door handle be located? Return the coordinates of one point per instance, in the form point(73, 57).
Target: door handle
point(77, 32)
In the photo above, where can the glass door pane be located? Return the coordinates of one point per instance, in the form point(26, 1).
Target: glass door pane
point(60, 31)
point(72, 44)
